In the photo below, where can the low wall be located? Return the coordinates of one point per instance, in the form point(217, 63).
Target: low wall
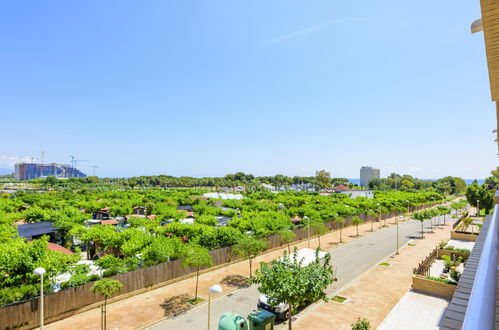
point(463, 236)
point(425, 285)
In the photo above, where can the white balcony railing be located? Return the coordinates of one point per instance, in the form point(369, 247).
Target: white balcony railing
point(481, 310)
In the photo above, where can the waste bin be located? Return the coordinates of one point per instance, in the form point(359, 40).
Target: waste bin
point(232, 321)
point(261, 320)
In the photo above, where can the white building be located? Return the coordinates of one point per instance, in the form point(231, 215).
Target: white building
point(367, 173)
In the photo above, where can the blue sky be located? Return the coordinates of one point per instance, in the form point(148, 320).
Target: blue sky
point(205, 88)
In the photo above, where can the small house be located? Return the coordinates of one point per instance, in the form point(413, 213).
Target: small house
point(102, 214)
point(31, 231)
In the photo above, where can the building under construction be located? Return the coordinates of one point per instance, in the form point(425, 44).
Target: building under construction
point(28, 171)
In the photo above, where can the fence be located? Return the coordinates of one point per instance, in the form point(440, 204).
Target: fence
point(424, 267)
point(67, 302)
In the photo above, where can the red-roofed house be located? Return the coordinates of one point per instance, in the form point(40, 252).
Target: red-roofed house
point(109, 222)
point(59, 248)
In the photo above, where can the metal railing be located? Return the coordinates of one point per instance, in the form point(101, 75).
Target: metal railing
point(481, 310)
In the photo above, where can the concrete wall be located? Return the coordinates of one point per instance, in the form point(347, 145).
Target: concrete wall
point(422, 284)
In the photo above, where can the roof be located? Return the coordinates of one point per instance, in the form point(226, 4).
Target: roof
point(58, 248)
point(109, 222)
point(36, 229)
point(340, 187)
point(185, 208)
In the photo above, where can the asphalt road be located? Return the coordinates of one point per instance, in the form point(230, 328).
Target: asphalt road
point(350, 261)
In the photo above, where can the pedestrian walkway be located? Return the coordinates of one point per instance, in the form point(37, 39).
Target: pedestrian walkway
point(144, 309)
point(376, 292)
point(416, 311)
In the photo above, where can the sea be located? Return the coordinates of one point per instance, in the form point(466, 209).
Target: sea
point(468, 181)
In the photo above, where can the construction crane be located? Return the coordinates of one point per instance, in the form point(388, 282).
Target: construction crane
point(80, 160)
point(74, 161)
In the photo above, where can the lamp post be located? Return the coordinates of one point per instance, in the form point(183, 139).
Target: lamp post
point(477, 208)
point(400, 217)
point(213, 289)
point(308, 229)
point(40, 271)
point(379, 215)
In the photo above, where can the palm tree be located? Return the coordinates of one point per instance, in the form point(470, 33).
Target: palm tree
point(106, 287)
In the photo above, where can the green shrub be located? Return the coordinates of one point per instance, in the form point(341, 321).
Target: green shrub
point(75, 281)
point(15, 294)
point(361, 324)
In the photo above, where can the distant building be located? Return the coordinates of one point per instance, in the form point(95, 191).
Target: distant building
point(367, 173)
point(29, 171)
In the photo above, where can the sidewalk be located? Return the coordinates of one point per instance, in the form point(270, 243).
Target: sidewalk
point(376, 292)
point(145, 309)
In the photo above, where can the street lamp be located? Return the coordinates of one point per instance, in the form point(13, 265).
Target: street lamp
point(213, 289)
point(400, 217)
point(40, 271)
point(477, 208)
point(379, 215)
point(308, 229)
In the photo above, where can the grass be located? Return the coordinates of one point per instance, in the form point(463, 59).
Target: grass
point(195, 301)
point(384, 264)
point(338, 299)
point(411, 244)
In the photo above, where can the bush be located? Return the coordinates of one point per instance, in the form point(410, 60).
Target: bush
point(15, 294)
point(75, 281)
point(361, 324)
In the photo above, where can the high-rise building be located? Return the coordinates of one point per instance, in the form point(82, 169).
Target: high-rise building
point(367, 173)
point(28, 171)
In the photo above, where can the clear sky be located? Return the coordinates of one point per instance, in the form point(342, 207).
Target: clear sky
point(205, 88)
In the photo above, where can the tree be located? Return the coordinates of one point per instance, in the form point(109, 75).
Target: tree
point(341, 222)
point(286, 281)
point(287, 236)
point(197, 256)
point(249, 248)
point(420, 216)
point(466, 223)
point(106, 287)
point(318, 228)
point(356, 221)
point(475, 193)
point(323, 178)
point(361, 324)
point(443, 210)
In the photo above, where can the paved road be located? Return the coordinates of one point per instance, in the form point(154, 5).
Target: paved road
point(351, 260)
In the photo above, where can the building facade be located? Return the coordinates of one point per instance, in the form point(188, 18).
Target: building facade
point(29, 171)
point(367, 173)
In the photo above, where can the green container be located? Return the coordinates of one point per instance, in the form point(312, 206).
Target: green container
point(232, 321)
point(261, 320)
